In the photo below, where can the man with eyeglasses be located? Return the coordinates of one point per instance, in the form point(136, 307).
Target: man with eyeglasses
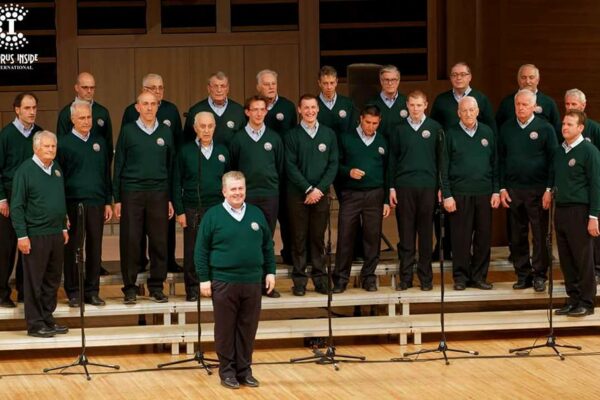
point(257, 151)
point(528, 77)
point(168, 115)
point(390, 101)
point(229, 115)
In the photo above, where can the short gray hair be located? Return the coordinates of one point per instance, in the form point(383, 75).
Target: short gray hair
point(219, 75)
point(465, 99)
point(232, 176)
point(522, 67)
point(39, 135)
point(528, 93)
point(147, 77)
point(576, 93)
point(203, 114)
point(389, 68)
point(79, 104)
point(260, 74)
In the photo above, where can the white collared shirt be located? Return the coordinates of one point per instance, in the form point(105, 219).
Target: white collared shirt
point(269, 106)
point(206, 150)
point(328, 103)
point(415, 124)
point(147, 130)
point(47, 170)
point(218, 109)
point(389, 102)
point(470, 132)
point(78, 99)
point(367, 140)
point(457, 96)
point(523, 126)
point(568, 147)
point(255, 134)
point(236, 213)
point(312, 132)
point(21, 128)
point(80, 136)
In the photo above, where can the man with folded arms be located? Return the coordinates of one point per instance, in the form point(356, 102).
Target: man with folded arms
point(39, 216)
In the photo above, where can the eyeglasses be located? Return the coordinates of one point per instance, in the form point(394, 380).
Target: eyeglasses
point(459, 74)
point(390, 81)
point(154, 88)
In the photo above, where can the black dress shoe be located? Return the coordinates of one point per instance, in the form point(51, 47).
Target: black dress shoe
point(230, 383)
point(522, 284)
point(104, 271)
point(129, 299)
point(338, 288)
point(20, 298)
point(459, 286)
point(174, 267)
point(298, 290)
point(249, 381)
point(274, 294)
point(580, 312)
point(370, 287)
point(94, 300)
point(322, 289)
point(74, 302)
point(7, 303)
point(44, 332)
point(59, 329)
point(539, 285)
point(426, 287)
point(158, 297)
point(564, 310)
point(403, 286)
point(483, 285)
point(192, 296)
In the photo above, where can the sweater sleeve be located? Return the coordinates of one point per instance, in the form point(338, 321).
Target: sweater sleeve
point(177, 195)
point(3, 151)
point(447, 145)
point(332, 166)
point(202, 248)
point(267, 248)
point(109, 139)
point(18, 202)
point(120, 158)
point(551, 146)
point(593, 176)
point(291, 163)
point(343, 169)
point(501, 154)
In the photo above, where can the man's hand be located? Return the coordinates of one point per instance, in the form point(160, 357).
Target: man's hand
point(593, 227)
point(171, 210)
point(270, 283)
point(117, 210)
point(386, 211)
point(66, 237)
point(450, 205)
point(393, 199)
point(182, 220)
point(205, 289)
point(5, 209)
point(546, 200)
point(24, 245)
point(495, 200)
point(505, 199)
point(108, 212)
point(313, 197)
point(356, 173)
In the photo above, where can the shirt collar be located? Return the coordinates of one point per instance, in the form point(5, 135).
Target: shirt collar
point(147, 130)
point(523, 126)
point(387, 100)
point(470, 132)
point(460, 96)
point(219, 109)
point(236, 213)
point(367, 140)
point(328, 103)
point(21, 128)
point(269, 106)
point(91, 102)
point(312, 132)
point(255, 134)
point(577, 141)
point(206, 151)
point(416, 124)
point(40, 164)
point(80, 136)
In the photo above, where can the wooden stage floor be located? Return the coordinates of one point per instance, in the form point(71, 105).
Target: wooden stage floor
point(494, 374)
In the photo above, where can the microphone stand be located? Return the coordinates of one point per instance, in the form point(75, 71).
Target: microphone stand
point(443, 344)
point(204, 362)
point(551, 338)
point(329, 356)
point(82, 359)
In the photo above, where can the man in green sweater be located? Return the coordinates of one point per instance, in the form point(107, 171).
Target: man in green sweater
point(470, 191)
point(83, 156)
point(335, 111)
point(15, 147)
point(281, 117)
point(311, 160)
point(526, 144)
point(85, 88)
point(142, 189)
point(362, 179)
point(199, 167)
point(577, 196)
point(229, 115)
point(258, 152)
point(167, 115)
point(390, 101)
point(528, 77)
point(233, 252)
point(575, 100)
point(414, 179)
point(39, 217)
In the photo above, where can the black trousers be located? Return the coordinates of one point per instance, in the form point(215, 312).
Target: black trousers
point(575, 249)
point(8, 253)
point(526, 210)
point(193, 217)
point(354, 205)
point(236, 312)
point(94, 228)
point(137, 209)
point(447, 245)
point(170, 245)
point(308, 223)
point(414, 213)
point(597, 255)
point(471, 225)
point(270, 208)
point(285, 230)
point(42, 269)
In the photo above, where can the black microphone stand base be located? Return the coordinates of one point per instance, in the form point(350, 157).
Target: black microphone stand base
point(82, 361)
point(550, 342)
point(442, 348)
point(327, 357)
point(203, 362)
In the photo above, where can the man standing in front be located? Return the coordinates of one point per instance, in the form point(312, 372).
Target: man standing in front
point(577, 196)
point(39, 216)
point(233, 251)
point(15, 147)
point(83, 156)
point(142, 188)
point(526, 144)
point(311, 160)
point(470, 191)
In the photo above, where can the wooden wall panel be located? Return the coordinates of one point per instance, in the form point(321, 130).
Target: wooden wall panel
point(115, 83)
point(281, 58)
point(207, 60)
point(46, 119)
